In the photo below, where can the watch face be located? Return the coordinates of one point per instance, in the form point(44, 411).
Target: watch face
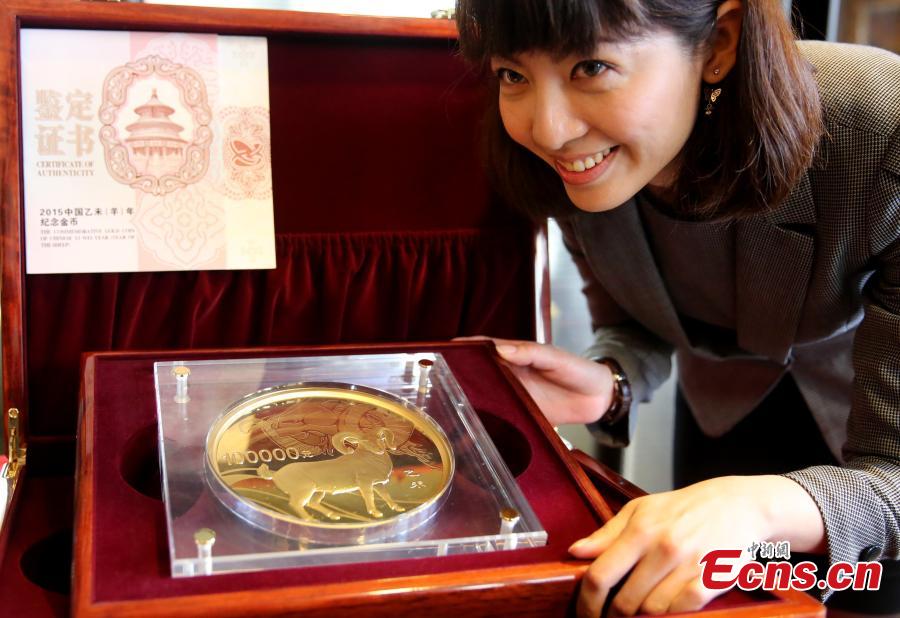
point(329, 463)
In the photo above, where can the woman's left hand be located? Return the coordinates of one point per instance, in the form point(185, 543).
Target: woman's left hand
point(661, 538)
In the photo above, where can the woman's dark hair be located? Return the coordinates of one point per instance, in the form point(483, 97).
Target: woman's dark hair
point(745, 158)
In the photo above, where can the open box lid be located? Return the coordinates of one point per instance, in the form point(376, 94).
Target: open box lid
point(409, 245)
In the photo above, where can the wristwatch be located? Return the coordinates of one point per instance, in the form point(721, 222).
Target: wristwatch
point(621, 400)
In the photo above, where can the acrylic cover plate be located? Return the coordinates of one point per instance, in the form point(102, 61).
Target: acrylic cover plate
point(286, 462)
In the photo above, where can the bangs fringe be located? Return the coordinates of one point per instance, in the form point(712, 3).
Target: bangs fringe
point(559, 27)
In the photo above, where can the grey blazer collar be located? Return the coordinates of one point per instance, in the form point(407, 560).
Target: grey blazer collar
point(774, 259)
point(774, 256)
point(617, 250)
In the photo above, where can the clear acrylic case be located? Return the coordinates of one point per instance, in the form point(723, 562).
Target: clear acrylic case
point(475, 504)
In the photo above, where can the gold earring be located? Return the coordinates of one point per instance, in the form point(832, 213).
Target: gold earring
point(711, 97)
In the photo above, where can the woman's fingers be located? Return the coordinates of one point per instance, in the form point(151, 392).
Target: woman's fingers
point(566, 387)
point(660, 579)
point(615, 560)
point(539, 356)
point(530, 354)
point(605, 572)
point(595, 544)
point(523, 353)
point(571, 372)
point(496, 340)
point(676, 585)
point(671, 531)
point(554, 364)
point(657, 579)
point(693, 596)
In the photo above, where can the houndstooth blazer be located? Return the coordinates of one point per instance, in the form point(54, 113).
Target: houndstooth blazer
point(817, 284)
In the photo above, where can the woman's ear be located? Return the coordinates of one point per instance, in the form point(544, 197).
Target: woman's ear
point(726, 37)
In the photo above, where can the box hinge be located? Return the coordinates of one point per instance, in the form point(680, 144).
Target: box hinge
point(15, 445)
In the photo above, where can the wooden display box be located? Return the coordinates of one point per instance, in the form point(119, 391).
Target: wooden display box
point(536, 581)
point(406, 244)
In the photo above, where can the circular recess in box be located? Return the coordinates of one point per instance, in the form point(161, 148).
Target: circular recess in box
point(48, 563)
point(511, 444)
point(140, 462)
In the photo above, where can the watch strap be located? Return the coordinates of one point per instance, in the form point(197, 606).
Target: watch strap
point(621, 400)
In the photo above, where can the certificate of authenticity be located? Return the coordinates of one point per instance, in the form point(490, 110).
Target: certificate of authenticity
point(145, 151)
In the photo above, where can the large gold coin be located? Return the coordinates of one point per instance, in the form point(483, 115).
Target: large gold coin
point(329, 462)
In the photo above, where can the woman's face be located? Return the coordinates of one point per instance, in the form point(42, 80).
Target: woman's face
point(609, 124)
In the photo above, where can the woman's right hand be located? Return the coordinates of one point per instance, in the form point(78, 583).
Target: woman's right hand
point(566, 387)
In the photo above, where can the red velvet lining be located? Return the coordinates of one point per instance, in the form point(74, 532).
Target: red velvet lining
point(328, 288)
point(45, 507)
point(376, 134)
point(131, 556)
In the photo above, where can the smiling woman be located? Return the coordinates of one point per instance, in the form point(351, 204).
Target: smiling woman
point(632, 107)
point(649, 62)
point(730, 195)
